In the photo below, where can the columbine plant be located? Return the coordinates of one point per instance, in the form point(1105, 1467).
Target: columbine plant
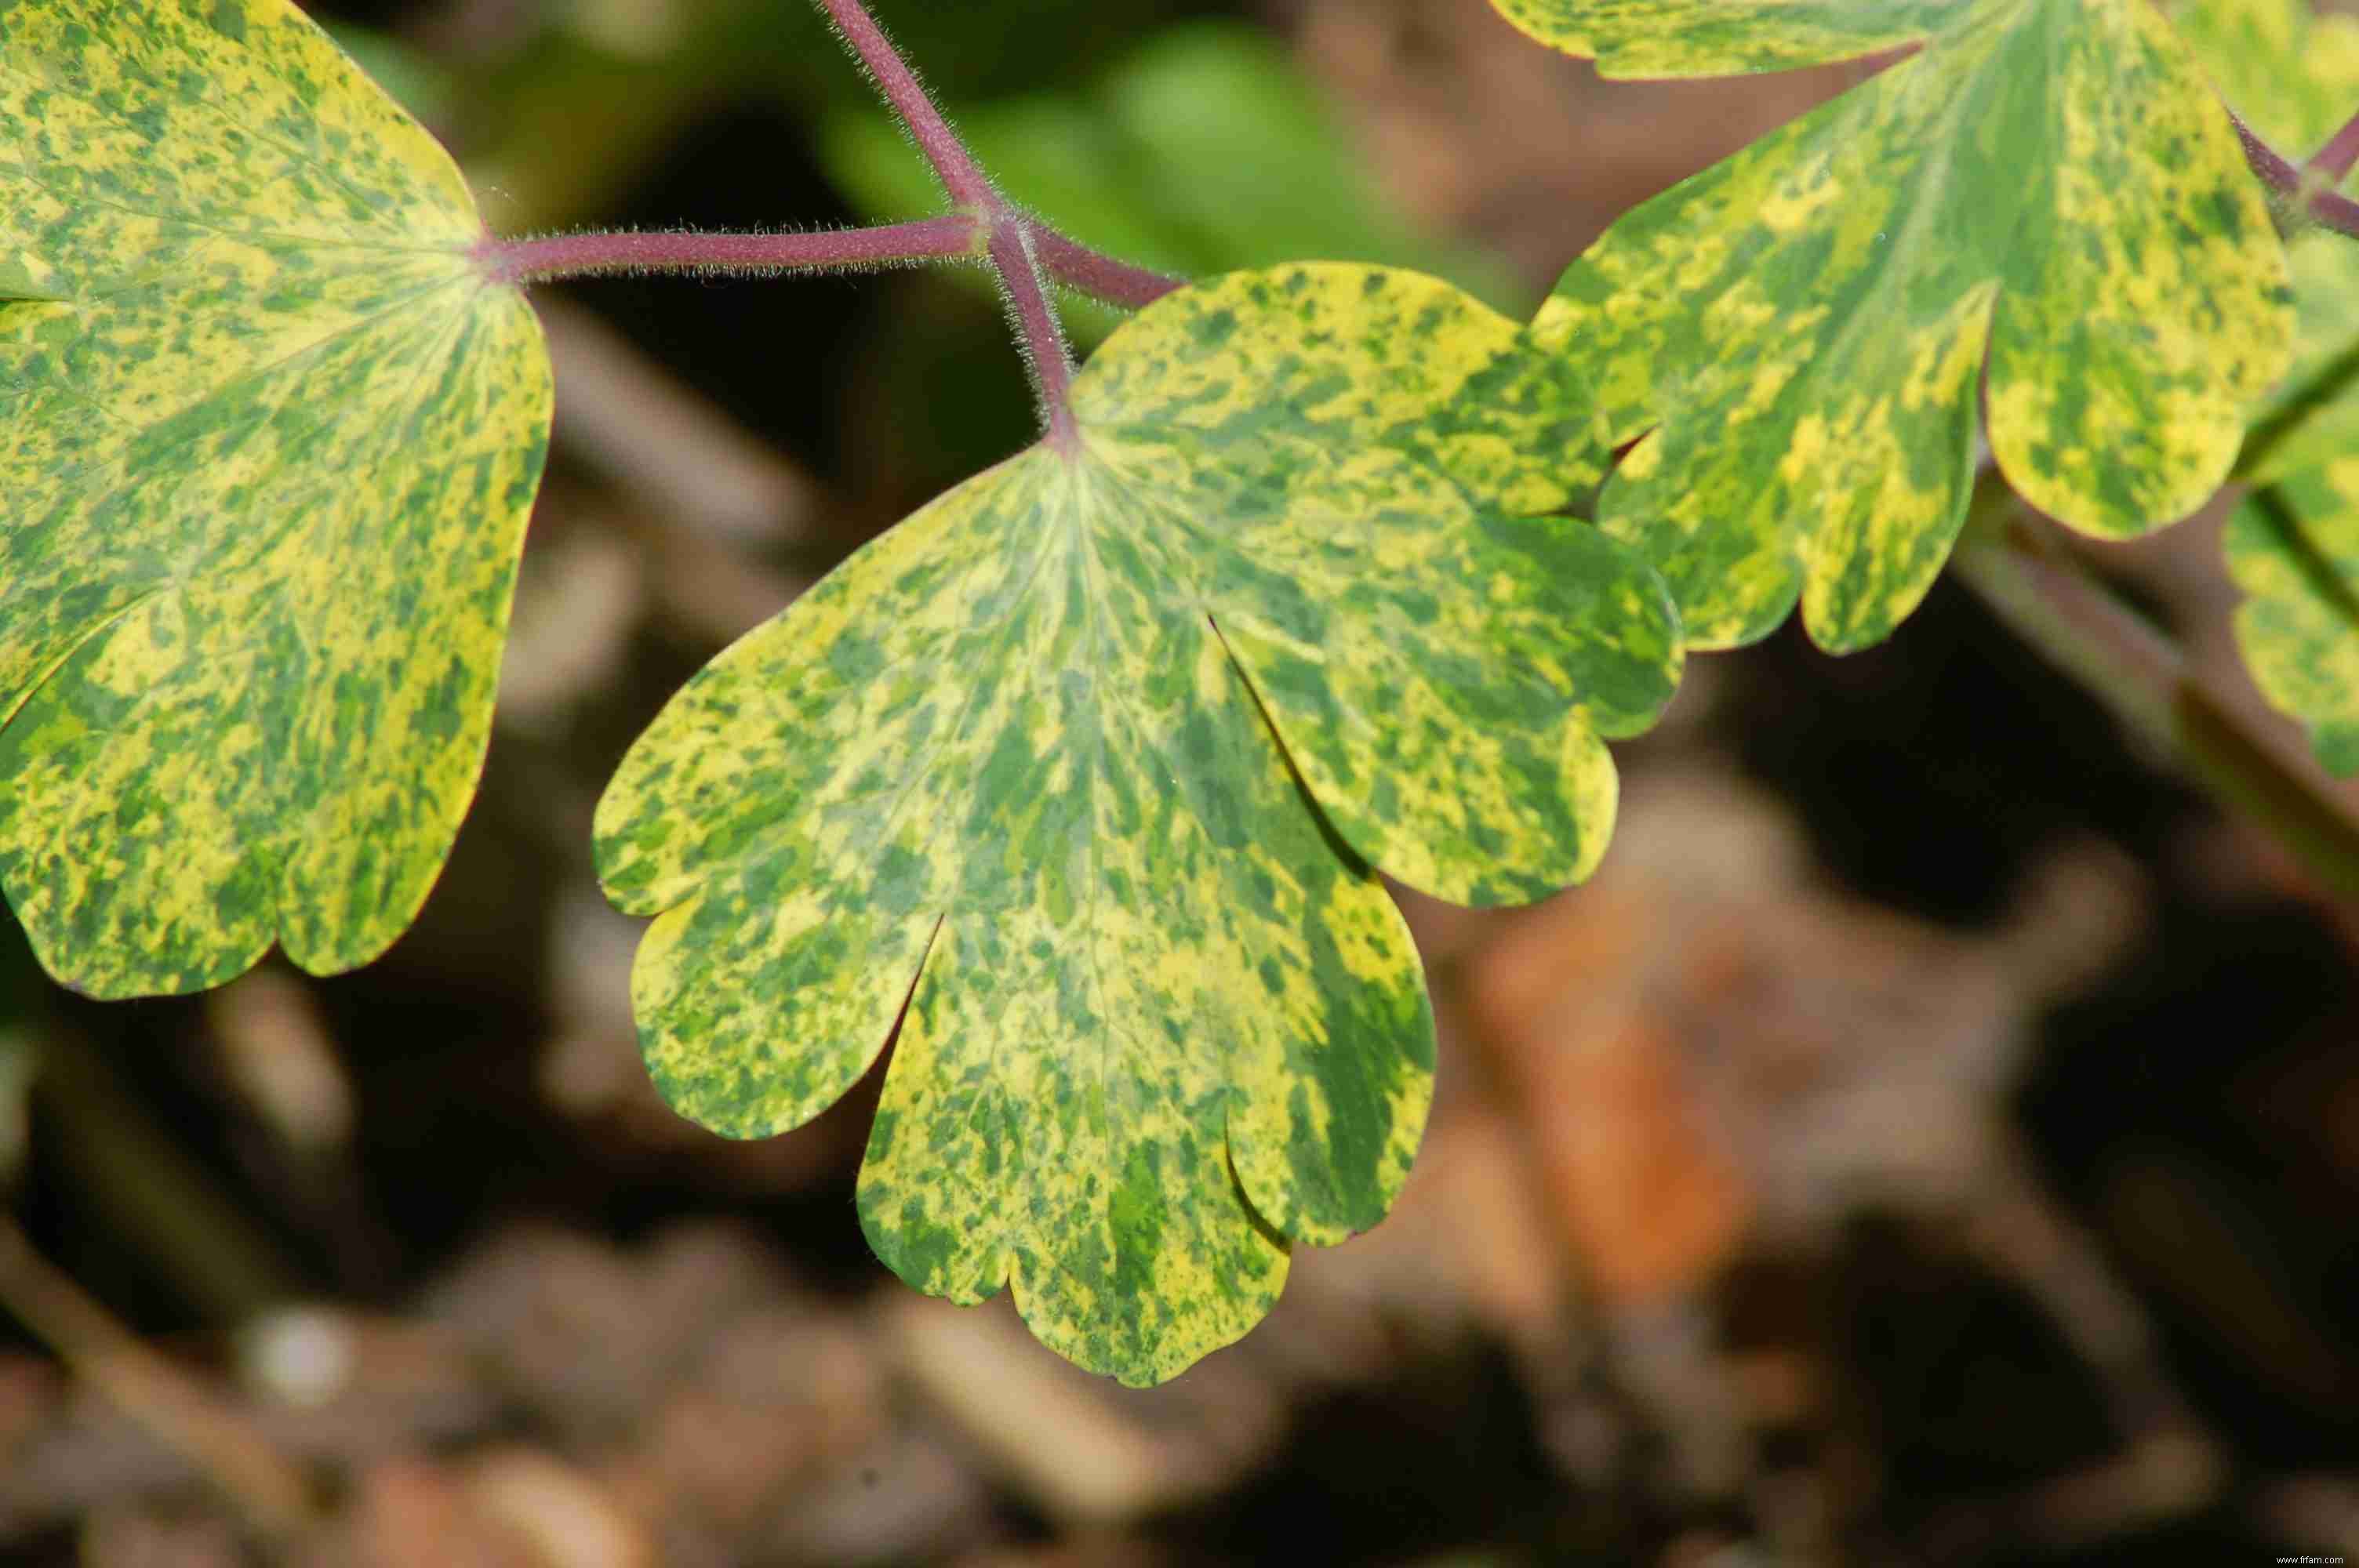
point(1082, 778)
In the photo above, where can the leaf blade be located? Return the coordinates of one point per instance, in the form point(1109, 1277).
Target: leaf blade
point(1781, 303)
point(250, 635)
point(2294, 549)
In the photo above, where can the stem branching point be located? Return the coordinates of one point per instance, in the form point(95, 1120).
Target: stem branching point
point(983, 227)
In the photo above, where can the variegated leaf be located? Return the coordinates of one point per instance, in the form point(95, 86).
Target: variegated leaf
point(1042, 761)
point(2293, 545)
point(2044, 200)
point(2290, 69)
point(271, 441)
point(2294, 549)
point(2293, 74)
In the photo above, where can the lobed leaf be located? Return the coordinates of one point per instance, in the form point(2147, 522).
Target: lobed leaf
point(2044, 200)
point(2312, 413)
point(1090, 761)
point(271, 439)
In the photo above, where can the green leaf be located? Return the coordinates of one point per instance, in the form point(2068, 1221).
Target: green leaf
point(2294, 549)
point(272, 441)
point(2313, 414)
point(2046, 198)
point(17, 1070)
point(2294, 76)
point(2292, 72)
point(1041, 753)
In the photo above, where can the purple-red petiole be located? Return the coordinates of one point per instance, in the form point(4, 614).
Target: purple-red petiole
point(984, 226)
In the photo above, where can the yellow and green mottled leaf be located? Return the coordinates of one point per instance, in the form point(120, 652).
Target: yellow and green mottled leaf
point(271, 442)
point(2293, 74)
point(2045, 201)
point(2291, 70)
point(2293, 544)
point(2294, 549)
point(1042, 761)
point(1642, 39)
point(2313, 414)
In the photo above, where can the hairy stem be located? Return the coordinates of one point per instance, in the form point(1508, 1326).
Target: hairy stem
point(2309, 196)
point(1035, 316)
point(960, 174)
point(2330, 163)
point(2049, 599)
point(1100, 276)
point(954, 236)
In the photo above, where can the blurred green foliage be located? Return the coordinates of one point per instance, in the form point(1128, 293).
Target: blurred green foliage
point(19, 987)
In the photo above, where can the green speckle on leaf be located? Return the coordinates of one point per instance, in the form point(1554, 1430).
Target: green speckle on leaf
point(2293, 544)
point(271, 443)
point(2290, 69)
point(2043, 207)
point(2294, 549)
point(2294, 75)
point(1107, 789)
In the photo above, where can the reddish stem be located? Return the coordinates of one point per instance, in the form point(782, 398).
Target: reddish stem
point(954, 236)
point(960, 174)
point(1099, 275)
point(2329, 209)
point(2331, 162)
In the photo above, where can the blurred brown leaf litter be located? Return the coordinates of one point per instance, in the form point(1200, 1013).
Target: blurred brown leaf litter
point(1933, 1138)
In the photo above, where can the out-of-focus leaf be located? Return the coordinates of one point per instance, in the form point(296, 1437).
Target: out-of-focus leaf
point(2045, 201)
point(2292, 71)
point(2293, 545)
point(2293, 74)
point(1041, 760)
